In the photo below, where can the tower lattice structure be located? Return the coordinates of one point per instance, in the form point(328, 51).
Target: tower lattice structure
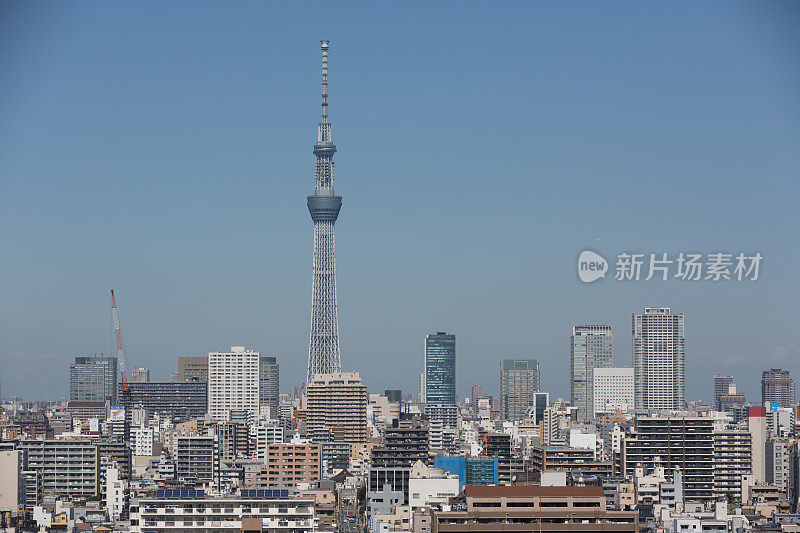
point(323, 347)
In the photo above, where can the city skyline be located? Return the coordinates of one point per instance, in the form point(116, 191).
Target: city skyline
point(184, 192)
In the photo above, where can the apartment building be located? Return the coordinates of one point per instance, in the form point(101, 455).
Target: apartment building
point(291, 464)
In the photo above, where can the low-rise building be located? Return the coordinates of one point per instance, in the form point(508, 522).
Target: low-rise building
point(532, 508)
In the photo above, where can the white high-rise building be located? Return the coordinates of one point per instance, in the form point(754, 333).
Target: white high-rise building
point(659, 359)
point(143, 442)
point(233, 382)
point(613, 390)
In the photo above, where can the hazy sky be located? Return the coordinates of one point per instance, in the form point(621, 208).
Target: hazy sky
point(164, 149)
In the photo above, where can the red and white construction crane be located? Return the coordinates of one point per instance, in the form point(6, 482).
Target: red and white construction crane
point(120, 344)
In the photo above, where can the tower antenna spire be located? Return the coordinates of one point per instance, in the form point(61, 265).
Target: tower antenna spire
point(323, 346)
point(325, 45)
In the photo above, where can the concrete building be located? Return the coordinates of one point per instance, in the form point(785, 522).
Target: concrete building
point(613, 390)
point(777, 386)
point(290, 465)
point(233, 382)
point(12, 482)
point(140, 375)
point(659, 359)
point(338, 402)
point(269, 384)
point(193, 368)
point(263, 434)
point(143, 442)
point(391, 464)
point(67, 467)
point(732, 461)
point(776, 462)
point(470, 470)
point(440, 368)
point(198, 457)
point(253, 510)
point(181, 401)
point(674, 442)
point(117, 496)
point(578, 460)
point(93, 379)
point(590, 347)
point(519, 382)
point(757, 427)
point(533, 508)
point(721, 384)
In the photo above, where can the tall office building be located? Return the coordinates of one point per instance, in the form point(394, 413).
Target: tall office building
point(659, 359)
point(440, 368)
point(233, 382)
point(323, 347)
point(93, 379)
point(721, 384)
point(590, 347)
point(540, 402)
point(475, 393)
point(338, 402)
point(519, 381)
point(193, 368)
point(181, 401)
point(269, 384)
point(777, 386)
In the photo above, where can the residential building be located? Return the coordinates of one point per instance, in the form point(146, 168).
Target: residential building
point(776, 465)
point(269, 384)
point(290, 465)
point(591, 347)
point(674, 442)
point(263, 434)
point(93, 379)
point(579, 460)
point(659, 356)
point(188, 511)
point(12, 481)
point(198, 457)
point(191, 368)
point(140, 375)
point(721, 384)
point(233, 382)
point(519, 381)
point(338, 402)
point(732, 461)
point(613, 390)
point(777, 386)
point(757, 427)
point(391, 464)
point(533, 508)
point(181, 401)
point(67, 467)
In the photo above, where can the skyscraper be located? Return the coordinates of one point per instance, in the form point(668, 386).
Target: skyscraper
point(338, 402)
point(323, 347)
point(193, 368)
point(269, 384)
point(777, 386)
point(721, 384)
point(659, 359)
point(590, 347)
point(93, 379)
point(519, 382)
point(233, 382)
point(440, 368)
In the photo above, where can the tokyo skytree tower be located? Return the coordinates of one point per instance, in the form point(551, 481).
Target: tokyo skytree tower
point(324, 205)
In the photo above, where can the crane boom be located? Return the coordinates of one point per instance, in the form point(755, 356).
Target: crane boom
point(120, 345)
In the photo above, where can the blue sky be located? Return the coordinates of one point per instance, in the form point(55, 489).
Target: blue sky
point(164, 150)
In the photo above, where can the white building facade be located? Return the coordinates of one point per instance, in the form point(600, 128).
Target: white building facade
point(233, 382)
point(613, 390)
